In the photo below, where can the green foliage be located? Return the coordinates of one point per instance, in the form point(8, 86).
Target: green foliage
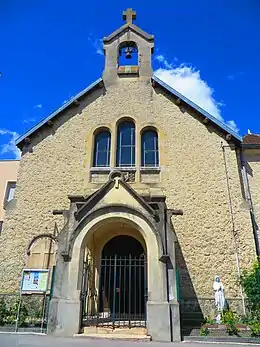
point(250, 281)
point(230, 319)
point(209, 320)
point(204, 331)
point(3, 312)
point(232, 329)
point(255, 328)
point(244, 319)
point(11, 315)
point(30, 311)
point(23, 312)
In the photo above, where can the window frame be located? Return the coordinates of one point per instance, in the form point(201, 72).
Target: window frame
point(96, 150)
point(131, 145)
point(7, 191)
point(155, 150)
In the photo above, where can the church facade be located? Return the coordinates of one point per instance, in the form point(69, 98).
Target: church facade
point(138, 197)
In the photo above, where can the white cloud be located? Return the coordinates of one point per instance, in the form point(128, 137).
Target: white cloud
point(235, 75)
point(187, 80)
point(97, 44)
point(10, 146)
point(162, 60)
point(38, 106)
point(30, 120)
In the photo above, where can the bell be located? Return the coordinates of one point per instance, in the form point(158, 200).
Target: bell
point(128, 54)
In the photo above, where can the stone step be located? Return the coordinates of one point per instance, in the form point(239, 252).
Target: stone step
point(133, 334)
point(129, 337)
point(110, 330)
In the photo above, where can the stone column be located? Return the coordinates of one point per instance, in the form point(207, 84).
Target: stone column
point(65, 305)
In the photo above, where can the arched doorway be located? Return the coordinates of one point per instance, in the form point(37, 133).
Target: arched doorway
point(123, 246)
point(122, 284)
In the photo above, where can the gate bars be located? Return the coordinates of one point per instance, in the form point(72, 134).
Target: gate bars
point(122, 294)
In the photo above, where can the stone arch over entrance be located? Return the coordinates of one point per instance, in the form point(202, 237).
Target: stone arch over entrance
point(88, 240)
point(134, 225)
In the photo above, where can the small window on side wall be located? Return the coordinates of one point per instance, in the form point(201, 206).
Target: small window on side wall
point(101, 157)
point(150, 151)
point(10, 190)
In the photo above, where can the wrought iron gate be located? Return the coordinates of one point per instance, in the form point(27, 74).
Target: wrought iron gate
point(122, 292)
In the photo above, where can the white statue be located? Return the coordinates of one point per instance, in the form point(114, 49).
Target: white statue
point(219, 297)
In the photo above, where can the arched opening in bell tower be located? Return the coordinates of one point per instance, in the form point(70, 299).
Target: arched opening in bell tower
point(128, 54)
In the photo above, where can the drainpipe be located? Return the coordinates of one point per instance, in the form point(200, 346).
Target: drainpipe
point(249, 200)
point(233, 225)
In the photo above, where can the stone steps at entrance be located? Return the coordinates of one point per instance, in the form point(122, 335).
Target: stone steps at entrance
point(117, 333)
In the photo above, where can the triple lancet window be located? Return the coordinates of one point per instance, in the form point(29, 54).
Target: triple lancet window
point(126, 147)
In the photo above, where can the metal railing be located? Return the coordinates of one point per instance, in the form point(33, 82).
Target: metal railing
point(121, 296)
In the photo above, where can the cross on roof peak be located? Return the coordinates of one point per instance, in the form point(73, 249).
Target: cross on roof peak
point(129, 15)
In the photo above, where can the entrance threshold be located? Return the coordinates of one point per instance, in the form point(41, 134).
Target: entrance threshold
point(122, 333)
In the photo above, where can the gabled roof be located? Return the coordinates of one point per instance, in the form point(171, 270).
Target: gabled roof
point(207, 115)
point(99, 195)
point(99, 82)
point(59, 110)
point(131, 26)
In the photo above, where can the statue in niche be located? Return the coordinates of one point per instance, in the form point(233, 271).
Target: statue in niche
point(219, 297)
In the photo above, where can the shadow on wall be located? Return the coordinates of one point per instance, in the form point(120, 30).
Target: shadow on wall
point(190, 311)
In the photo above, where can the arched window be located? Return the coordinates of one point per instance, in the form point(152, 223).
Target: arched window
point(101, 156)
point(150, 152)
point(125, 155)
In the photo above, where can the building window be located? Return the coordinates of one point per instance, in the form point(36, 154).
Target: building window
point(10, 189)
point(150, 152)
point(125, 156)
point(1, 226)
point(102, 149)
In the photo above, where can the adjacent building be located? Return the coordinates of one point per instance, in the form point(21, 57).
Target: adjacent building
point(8, 176)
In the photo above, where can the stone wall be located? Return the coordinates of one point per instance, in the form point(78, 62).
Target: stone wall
point(192, 176)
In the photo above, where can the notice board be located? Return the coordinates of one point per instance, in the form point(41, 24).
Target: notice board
point(35, 280)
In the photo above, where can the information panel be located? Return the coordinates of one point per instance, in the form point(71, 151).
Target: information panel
point(35, 281)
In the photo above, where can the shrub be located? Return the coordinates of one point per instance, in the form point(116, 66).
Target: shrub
point(13, 313)
point(255, 328)
point(209, 320)
point(3, 312)
point(230, 319)
point(250, 281)
point(204, 331)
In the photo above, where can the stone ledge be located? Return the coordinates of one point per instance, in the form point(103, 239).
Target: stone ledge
point(117, 336)
point(250, 340)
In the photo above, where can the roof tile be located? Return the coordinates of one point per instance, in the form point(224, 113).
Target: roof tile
point(251, 139)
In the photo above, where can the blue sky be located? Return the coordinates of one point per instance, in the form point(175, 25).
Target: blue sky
point(50, 50)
